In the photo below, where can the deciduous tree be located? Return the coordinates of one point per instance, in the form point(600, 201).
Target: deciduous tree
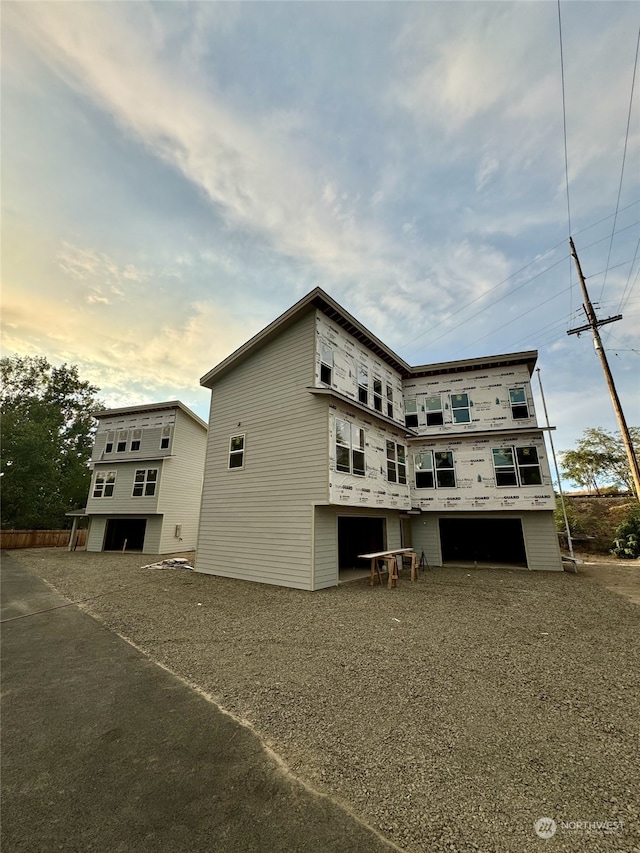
point(47, 436)
point(599, 459)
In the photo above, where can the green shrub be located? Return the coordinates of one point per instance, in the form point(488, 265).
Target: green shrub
point(627, 536)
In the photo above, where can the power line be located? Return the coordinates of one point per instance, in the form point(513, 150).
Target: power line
point(622, 302)
point(513, 275)
point(566, 157)
point(495, 301)
point(624, 157)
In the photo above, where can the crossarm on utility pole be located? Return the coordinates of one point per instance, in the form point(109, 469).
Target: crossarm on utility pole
point(593, 324)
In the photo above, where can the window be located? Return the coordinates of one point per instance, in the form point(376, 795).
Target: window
point(430, 463)
point(136, 438)
point(504, 466)
point(377, 395)
point(111, 437)
point(460, 408)
point(121, 446)
point(396, 463)
point(423, 465)
point(104, 484)
point(144, 484)
point(165, 439)
point(326, 363)
point(350, 448)
point(528, 466)
point(445, 472)
point(433, 406)
point(518, 400)
point(363, 386)
point(236, 451)
point(519, 467)
point(389, 401)
point(410, 412)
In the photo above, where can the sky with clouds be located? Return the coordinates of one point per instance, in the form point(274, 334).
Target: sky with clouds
point(176, 175)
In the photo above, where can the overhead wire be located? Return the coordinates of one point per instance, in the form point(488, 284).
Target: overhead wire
point(624, 157)
point(566, 156)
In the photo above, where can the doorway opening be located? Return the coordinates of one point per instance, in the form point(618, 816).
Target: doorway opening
point(483, 540)
point(125, 530)
point(359, 535)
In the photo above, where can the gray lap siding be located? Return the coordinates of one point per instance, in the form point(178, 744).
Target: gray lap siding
point(257, 522)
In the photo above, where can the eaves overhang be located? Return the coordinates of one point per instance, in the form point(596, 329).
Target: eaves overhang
point(510, 359)
point(365, 410)
point(142, 408)
point(316, 299)
point(486, 433)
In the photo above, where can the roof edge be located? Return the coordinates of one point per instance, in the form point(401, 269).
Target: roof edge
point(528, 357)
point(317, 298)
point(150, 407)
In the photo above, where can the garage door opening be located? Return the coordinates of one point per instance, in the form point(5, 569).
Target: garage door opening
point(123, 532)
point(358, 535)
point(483, 540)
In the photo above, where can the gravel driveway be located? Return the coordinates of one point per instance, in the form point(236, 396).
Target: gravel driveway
point(450, 714)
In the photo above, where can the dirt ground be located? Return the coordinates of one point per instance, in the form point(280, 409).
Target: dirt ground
point(619, 576)
point(449, 714)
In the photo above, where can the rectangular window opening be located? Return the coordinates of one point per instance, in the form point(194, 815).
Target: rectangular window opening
point(389, 401)
point(144, 483)
point(136, 438)
point(350, 449)
point(111, 437)
point(411, 412)
point(433, 407)
point(396, 463)
point(165, 439)
point(445, 471)
point(104, 484)
point(121, 446)
point(460, 407)
point(326, 364)
point(423, 466)
point(236, 451)
point(519, 406)
point(377, 395)
point(363, 386)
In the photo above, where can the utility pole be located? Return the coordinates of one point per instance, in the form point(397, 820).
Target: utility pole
point(555, 462)
point(593, 324)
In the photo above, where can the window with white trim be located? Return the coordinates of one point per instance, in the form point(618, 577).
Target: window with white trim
point(460, 408)
point(528, 466)
point(350, 448)
point(433, 407)
point(434, 469)
point(104, 485)
point(519, 405)
point(136, 439)
point(423, 468)
point(111, 437)
point(165, 438)
point(396, 463)
point(410, 412)
point(123, 436)
point(389, 401)
point(145, 482)
point(363, 386)
point(326, 363)
point(377, 395)
point(517, 466)
point(236, 451)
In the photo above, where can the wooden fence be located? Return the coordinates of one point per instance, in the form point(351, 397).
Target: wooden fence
point(11, 539)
